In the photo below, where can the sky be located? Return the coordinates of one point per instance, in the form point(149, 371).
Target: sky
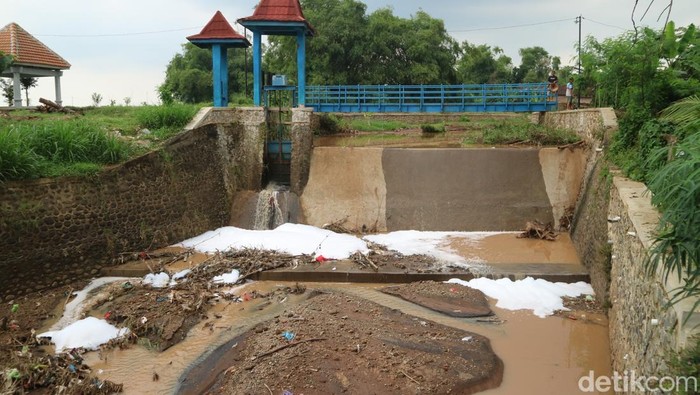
point(120, 48)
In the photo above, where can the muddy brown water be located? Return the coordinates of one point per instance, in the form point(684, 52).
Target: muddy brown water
point(541, 356)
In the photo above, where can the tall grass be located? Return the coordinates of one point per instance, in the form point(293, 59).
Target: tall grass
point(165, 121)
point(45, 148)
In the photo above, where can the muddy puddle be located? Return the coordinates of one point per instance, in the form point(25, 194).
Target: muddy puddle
point(541, 356)
point(506, 248)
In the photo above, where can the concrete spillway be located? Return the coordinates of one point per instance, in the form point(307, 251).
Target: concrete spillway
point(386, 189)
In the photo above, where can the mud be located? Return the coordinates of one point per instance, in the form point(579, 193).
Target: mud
point(444, 298)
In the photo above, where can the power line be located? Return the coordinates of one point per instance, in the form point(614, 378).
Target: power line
point(604, 24)
point(120, 34)
point(510, 27)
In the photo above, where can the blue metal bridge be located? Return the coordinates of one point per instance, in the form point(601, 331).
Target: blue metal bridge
point(431, 98)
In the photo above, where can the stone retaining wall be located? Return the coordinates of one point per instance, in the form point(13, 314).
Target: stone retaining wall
point(642, 329)
point(591, 124)
point(53, 231)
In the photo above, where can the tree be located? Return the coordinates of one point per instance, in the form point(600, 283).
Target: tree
point(96, 99)
point(336, 54)
point(481, 64)
point(534, 66)
point(27, 83)
point(188, 76)
point(7, 91)
point(127, 101)
point(5, 61)
point(353, 48)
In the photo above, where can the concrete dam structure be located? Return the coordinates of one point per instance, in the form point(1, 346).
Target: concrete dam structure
point(478, 189)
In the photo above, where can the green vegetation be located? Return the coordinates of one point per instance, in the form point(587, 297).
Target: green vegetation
point(165, 121)
point(687, 362)
point(47, 148)
point(36, 145)
point(517, 130)
point(675, 184)
point(375, 125)
point(433, 128)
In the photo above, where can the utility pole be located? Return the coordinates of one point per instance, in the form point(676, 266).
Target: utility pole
point(580, 77)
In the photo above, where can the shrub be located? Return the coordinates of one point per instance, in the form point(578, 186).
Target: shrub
point(433, 128)
point(329, 124)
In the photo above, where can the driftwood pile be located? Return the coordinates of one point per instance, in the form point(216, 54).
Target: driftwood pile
point(536, 230)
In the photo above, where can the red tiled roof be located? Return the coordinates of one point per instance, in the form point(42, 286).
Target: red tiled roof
point(218, 28)
point(27, 50)
point(278, 11)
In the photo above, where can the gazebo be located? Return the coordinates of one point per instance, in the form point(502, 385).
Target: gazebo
point(31, 59)
point(280, 18)
point(219, 36)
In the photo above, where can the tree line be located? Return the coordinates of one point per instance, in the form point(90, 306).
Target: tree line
point(353, 47)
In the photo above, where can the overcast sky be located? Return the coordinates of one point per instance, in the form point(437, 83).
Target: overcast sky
point(120, 48)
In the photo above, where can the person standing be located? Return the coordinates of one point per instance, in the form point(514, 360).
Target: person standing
point(553, 84)
point(570, 94)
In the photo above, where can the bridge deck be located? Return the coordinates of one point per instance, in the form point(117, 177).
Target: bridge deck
point(431, 98)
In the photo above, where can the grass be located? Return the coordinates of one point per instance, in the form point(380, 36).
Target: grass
point(520, 131)
point(34, 144)
point(375, 125)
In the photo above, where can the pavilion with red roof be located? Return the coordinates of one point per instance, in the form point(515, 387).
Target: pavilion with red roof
point(219, 36)
point(31, 59)
point(283, 18)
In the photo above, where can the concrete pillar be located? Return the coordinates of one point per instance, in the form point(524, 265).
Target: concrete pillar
point(257, 67)
point(216, 74)
point(17, 89)
point(301, 67)
point(223, 77)
point(57, 84)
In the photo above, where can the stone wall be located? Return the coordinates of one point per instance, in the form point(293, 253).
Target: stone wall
point(53, 231)
point(642, 329)
point(591, 124)
point(589, 230)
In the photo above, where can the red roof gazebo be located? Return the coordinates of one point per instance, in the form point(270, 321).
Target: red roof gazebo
point(283, 18)
point(219, 36)
point(31, 59)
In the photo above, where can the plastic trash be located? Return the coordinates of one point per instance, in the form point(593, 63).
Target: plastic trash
point(13, 373)
point(72, 368)
point(161, 299)
point(286, 392)
point(289, 336)
point(321, 259)
point(589, 298)
point(15, 308)
point(107, 315)
point(127, 285)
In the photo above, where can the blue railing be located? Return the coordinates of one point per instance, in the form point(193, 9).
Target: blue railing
point(431, 98)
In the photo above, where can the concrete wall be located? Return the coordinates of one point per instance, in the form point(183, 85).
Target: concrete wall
point(642, 330)
point(591, 124)
point(418, 118)
point(53, 231)
point(441, 189)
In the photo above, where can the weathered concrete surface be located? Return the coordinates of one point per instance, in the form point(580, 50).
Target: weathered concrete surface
point(563, 170)
point(464, 189)
point(302, 145)
point(441, 189)
point(346, 183)
point(642, 330)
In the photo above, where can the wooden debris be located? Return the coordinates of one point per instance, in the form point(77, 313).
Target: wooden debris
point(364, 261)
point(536, 230)
point(51, 107)
point(338, 226)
